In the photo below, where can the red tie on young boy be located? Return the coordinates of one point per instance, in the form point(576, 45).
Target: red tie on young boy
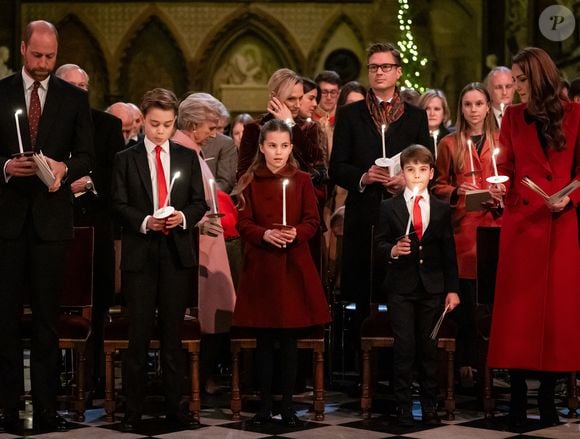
point(417, 219)
point(161, 183)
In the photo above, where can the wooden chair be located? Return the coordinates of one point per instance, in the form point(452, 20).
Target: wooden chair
point(376, 333)
point(75, 319)
point(116, 338)
point(243, 338)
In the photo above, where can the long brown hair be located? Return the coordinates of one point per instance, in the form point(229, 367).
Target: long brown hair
point(545, 93)
point(273, 125)
point(463, 129)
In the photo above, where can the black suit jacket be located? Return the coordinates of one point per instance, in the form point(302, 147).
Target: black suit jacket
point(221, 156)
point(65, 134)
point(356, 145)
point(133, 201)
point(432, 261)
point(108, 140)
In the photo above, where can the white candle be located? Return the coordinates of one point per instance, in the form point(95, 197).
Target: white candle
point(214, 209)
point(411, 200)
point(435, 143)
point(493, 160)
point(471, 160)
point(175, 177)
point(284, 184)
point(501, 108)
point(383, 128)
point(16, 114)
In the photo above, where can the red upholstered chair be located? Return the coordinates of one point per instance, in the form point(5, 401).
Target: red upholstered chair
point(243, 338)
point(74, 320)
point(116, 338)
point(376, 333)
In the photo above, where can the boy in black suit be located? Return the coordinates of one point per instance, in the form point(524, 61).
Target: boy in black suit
point(158, 258)
point(422, 266)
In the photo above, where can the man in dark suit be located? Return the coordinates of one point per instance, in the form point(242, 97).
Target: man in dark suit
point(92, 208)
point(221, 156)
point(357, 143)
point(158, 260)
point(36, 222)
point(422, 268)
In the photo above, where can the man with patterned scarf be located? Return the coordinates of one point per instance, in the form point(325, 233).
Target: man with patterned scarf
point(357, 144)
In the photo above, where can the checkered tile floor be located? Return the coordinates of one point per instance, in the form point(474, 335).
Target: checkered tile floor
point(342, 421)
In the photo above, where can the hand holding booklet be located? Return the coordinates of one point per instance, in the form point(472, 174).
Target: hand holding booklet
point(554, 198)
point(44, 173)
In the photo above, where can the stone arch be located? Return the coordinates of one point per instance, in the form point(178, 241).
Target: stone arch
point(78, 45)
point(255, 26)
point(324, 36)
point(151, 57)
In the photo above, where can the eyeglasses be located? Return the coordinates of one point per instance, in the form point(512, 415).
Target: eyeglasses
point(386, 68)
point(332, 93)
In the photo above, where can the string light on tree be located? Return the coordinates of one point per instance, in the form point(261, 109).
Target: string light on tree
point(413, 63)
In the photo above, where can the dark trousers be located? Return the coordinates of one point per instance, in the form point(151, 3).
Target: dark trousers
point(413, 318)
point(519, 392)
point(30, 263)
point(165, 286)
point(464, 316)
point(266, 340)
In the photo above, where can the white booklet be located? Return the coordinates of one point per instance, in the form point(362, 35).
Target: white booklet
point(554, 198)
point(44, 172)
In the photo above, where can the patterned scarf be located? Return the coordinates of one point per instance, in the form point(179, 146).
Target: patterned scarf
point(387, 112)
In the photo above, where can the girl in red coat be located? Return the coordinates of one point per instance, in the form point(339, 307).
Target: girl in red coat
point(537, 296)
point(280, 292)
point(455, 161)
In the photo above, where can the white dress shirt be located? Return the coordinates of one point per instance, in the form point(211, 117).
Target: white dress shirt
point(166, 163)
point(29, 84)
point(423, 204)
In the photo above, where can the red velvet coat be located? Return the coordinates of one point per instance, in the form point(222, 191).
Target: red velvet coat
point(464, 223)
point(536, 316)
point(279, 287)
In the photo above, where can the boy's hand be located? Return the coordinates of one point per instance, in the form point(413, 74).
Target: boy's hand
point(174, 220)
point(155, 225)
point(451, 301)
point(402, 248)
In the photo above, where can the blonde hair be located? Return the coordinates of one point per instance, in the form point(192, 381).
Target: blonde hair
point(282, 82)
point(428, 96)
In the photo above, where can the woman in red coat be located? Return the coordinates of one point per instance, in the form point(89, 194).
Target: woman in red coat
point(455, 158)
point(280, 291)
point(537, 299)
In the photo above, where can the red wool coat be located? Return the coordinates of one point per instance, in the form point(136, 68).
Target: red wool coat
point(279, 287)
point(464, 223)
point(537, 296)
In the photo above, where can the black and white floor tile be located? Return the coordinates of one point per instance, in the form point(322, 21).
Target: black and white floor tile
point(342, 421)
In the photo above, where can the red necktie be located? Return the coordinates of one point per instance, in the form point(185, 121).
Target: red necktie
point(34, 112)
point(161, 183)
point(417, 219)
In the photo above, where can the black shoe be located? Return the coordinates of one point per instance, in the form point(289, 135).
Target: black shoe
point(260, 419)
point(9, 420)
point(183, 420)
point(49, 421)
point(549, 418)
point(129, 424)
point(517, 420)
point(431, 418)
point(291, 420)
point(405, 418)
